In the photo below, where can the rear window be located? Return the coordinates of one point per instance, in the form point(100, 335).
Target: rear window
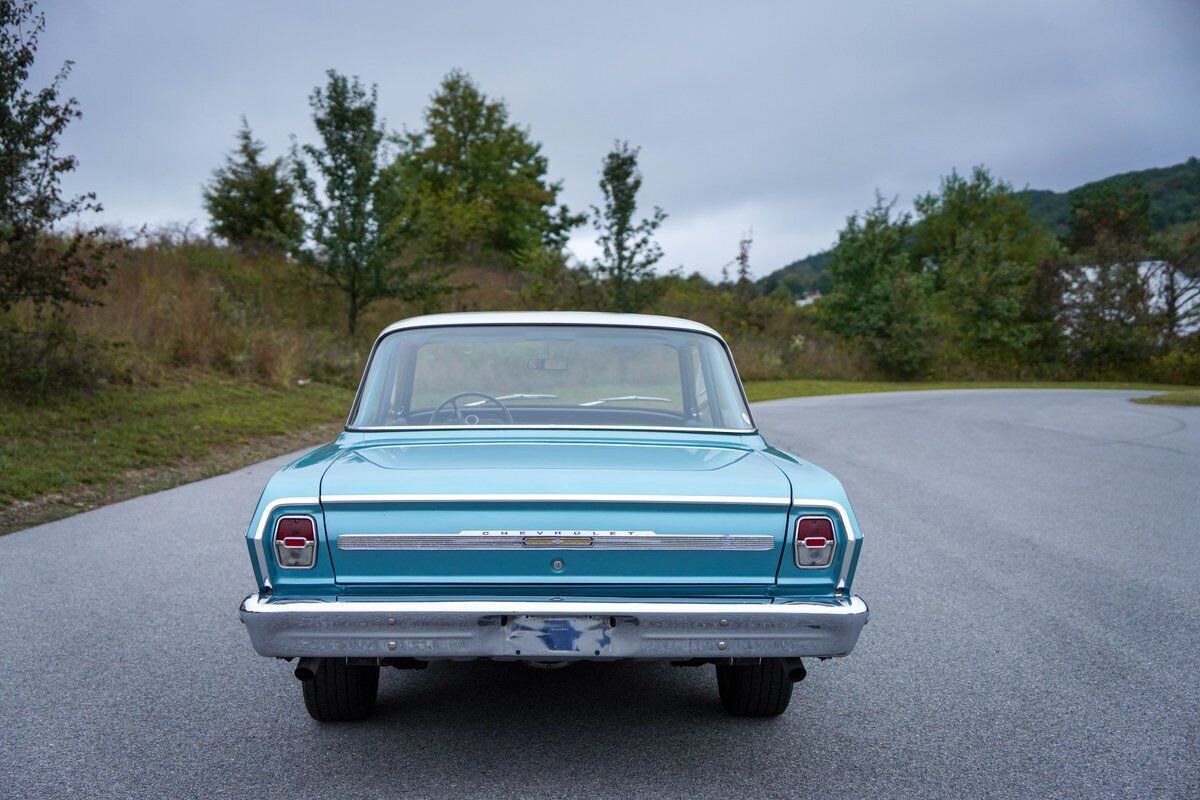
point(550, 375)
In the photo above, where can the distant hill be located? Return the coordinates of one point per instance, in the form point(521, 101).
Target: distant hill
point(808, 274)
point(1174, 199)
point(1174, 196)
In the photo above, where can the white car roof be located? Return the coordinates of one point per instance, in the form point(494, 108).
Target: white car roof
point(549, 318)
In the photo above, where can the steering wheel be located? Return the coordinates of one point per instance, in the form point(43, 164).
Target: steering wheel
point(452, 401)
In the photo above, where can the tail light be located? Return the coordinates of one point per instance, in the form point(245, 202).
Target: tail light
point(814, 541)
point(296, 542)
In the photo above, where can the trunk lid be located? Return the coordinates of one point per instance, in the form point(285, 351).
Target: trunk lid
point(561, 517)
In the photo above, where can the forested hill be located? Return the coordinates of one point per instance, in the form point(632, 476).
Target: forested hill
point(1174, 199)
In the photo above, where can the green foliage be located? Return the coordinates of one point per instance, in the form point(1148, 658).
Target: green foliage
point(472, 184)
point(1178, 276)
point(809, 274)
point(252, 203)
point(349, 212)
point(548, 283)
point(97, 439)
point(1117, 211)
point(1111, 324)
point(1174, 194)
point(54, 361)
point(625, 269)
point(977, 240)
point(880, 298)
point(35, 265)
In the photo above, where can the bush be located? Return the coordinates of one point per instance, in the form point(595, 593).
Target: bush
point(42, 364)
point(1176, 366)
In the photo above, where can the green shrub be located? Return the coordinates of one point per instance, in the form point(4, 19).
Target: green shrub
point(41, 364)
point(1176, 366)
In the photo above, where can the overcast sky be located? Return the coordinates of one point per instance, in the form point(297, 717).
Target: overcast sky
point(781, 117)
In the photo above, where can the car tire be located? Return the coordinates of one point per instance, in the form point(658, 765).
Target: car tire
point(341, 692)
point(755, 690)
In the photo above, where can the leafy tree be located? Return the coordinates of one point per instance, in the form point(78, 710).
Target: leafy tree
point(1113, 211)
point(1177, 279)
point(628, 249)
point(550, 283)
point(36, 264)
point(880, 298)
point(472, 182)
point(349, 231)
point(252, 202)
point(1110, 318)
point(981, 247)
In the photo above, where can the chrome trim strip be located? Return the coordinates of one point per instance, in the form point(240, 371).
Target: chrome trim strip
point(256, 604)
point(723, 500)
point(851, 537)
point(263, 518)
point(520, 540)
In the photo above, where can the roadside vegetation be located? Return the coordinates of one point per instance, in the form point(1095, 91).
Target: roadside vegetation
point(133, 359)
point(759, 391)
point(101, 447)
point(1177, 397)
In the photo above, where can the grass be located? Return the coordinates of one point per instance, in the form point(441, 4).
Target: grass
point(773, 390)
point(1181, 397)
point(96, 449)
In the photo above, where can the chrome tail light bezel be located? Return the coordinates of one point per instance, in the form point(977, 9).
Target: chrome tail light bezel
point(808, 556)
point(295, 551)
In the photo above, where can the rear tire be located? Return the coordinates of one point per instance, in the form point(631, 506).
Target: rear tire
point(756, 690)
point(341, 692)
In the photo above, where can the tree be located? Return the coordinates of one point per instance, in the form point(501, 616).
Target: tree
point(746, 287)
point(252, 203)
point(880, 298)
point(1110, 318)
point(1177, 279)
point(628, 249)
point(473, 183)
point(36, 264)
point(349, 206)
point(1108, 210)
point(981, 247)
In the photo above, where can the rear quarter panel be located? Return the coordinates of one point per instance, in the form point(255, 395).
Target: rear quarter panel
point(816, 491)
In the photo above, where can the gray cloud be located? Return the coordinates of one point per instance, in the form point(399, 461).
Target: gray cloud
point(783, 117)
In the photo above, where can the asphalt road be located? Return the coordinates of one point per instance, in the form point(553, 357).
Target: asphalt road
point(1031, 562)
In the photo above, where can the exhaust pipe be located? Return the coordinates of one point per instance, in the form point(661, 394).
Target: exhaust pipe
point(306, 668)
point(795, 669)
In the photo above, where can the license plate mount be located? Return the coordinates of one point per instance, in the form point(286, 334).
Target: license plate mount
point(558, 637)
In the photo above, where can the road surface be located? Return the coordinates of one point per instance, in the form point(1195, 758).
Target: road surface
point(1031, 562)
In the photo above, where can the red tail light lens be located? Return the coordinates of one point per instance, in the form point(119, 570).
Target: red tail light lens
point(296, 542)
point(815, 541)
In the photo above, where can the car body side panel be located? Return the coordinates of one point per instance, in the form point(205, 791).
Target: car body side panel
point(816, 491)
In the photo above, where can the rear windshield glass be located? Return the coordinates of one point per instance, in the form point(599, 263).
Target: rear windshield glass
point(550, 375)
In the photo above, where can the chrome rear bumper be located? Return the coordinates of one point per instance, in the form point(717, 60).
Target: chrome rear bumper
point(455, 629)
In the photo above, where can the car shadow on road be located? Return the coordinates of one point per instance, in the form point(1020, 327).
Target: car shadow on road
point(457, 693)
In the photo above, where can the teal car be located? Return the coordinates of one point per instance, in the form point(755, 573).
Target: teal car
point(550, 488)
